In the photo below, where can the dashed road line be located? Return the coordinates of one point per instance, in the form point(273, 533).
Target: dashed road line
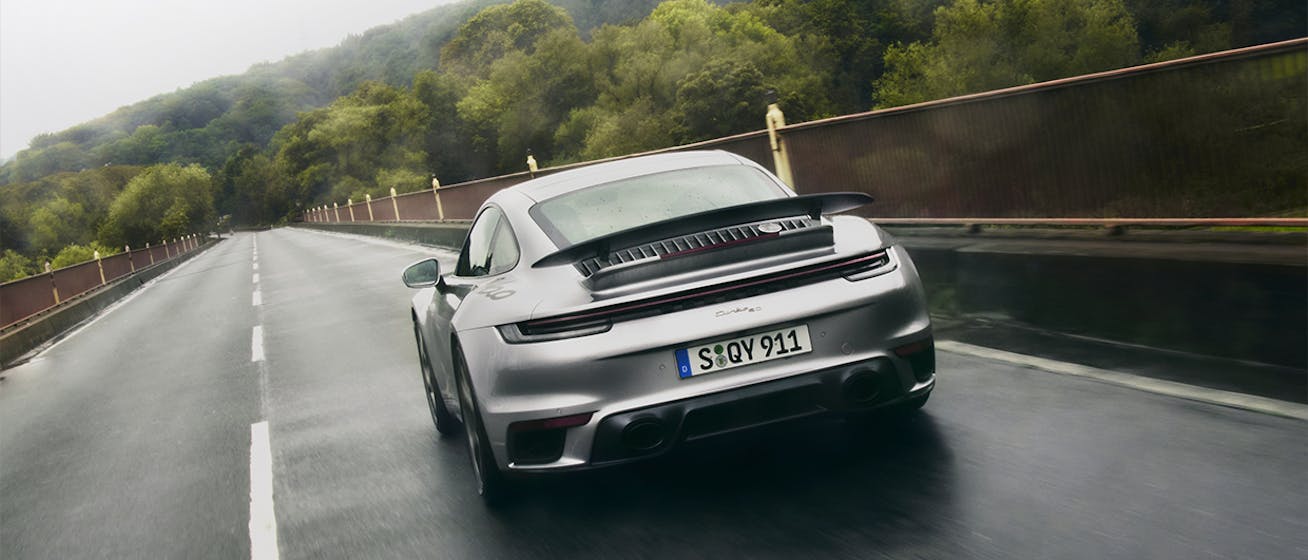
point(256, 344)
point(255, 278)
point(256, 299)
point(263, 518)
point(1158, 386)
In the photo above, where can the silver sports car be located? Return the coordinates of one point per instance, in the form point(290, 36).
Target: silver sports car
point(607, 314)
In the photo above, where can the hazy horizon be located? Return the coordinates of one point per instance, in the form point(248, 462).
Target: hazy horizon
point(64, 62)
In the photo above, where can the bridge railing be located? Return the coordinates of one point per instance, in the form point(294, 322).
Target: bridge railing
point(25, 298)
point(1217, 136)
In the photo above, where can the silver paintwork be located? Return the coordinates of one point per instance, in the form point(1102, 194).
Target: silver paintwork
point(633, 365)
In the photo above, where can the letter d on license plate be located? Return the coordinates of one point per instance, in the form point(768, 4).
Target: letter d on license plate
point(743, 351)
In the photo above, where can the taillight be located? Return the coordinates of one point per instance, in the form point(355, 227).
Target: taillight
point(598, 320)
point(532, 331)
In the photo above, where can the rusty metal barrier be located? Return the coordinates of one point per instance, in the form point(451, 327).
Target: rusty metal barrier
point(26, 297)
point(1215, 136)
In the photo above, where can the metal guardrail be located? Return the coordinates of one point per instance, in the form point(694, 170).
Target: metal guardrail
point(26, 298)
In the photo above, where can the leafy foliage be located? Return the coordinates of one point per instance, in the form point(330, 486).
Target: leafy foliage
point(164, 202)
point(979, 46)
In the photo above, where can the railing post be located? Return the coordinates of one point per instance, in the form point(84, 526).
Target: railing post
point(99, 264)
point(776, 120)
point(368, 198)
point(149, 252)
point(53, 287)
point(130, 262)
point(349, 205)
point(168, 254)
point(336, 209)
point(395, 204)
point(436, 190)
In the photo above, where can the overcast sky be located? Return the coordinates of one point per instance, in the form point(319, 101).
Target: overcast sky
point(63, 62)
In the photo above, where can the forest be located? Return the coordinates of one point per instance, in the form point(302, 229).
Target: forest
point(463, 91)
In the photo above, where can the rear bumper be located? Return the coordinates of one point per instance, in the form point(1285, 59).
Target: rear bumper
point(651, 431)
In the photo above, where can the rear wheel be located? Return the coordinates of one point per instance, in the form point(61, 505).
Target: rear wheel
point(493, 487)
point(446, 425)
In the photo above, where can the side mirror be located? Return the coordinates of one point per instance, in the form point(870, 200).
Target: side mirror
point(423, 274)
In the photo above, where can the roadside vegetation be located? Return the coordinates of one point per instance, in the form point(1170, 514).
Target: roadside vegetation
point(464, 91)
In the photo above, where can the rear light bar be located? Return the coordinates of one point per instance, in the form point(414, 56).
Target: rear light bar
point(595, 321)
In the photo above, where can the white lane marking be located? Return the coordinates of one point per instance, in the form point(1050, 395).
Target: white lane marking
point(257, 299)
point(256, 344)
point(263, 518)
point(110, 309)
point(255, 278)
point(1159, 386)
point(256, 265)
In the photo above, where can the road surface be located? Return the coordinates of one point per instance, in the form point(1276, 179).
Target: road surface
point(139, 436)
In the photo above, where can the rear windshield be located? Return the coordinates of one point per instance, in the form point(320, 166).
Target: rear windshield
point(603, 209)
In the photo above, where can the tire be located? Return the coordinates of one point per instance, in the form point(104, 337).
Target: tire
point(494, 488)
point(446, 425)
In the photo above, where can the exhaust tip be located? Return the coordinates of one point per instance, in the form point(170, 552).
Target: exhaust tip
point(861, 388)
point(644, 434)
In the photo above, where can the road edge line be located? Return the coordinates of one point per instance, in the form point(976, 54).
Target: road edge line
point(1218, 397)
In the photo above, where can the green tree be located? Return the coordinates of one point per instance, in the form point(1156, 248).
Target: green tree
point(449, 155)
point(983, 46)
point(727, 96)
point(525, 98)
point(376, 127)
point(14, 266)
point(56, 223)
point(651, 78)
point(164, 202)
point(498, 30)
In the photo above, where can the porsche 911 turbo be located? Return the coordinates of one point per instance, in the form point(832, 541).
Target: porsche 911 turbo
point(610, 313)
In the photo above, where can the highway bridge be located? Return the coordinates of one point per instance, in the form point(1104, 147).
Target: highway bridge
point(263, 400)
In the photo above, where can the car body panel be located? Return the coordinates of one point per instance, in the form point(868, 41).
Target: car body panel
point(632, 365)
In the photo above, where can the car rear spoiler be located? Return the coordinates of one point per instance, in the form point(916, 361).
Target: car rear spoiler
point(813, 205)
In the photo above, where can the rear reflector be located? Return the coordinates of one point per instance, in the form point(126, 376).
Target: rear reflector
point(921, 356)
point(551, 423)
point(913, 348)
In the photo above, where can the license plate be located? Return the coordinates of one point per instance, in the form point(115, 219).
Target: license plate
point(726, 354)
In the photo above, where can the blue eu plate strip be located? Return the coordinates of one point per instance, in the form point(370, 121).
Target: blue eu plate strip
point(683, 363)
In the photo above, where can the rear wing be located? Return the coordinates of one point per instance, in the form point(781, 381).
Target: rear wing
point(812, 205)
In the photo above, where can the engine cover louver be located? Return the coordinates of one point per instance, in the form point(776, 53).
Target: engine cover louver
point(695, 242)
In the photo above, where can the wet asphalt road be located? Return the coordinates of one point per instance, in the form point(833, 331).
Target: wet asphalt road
point(131, 438)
